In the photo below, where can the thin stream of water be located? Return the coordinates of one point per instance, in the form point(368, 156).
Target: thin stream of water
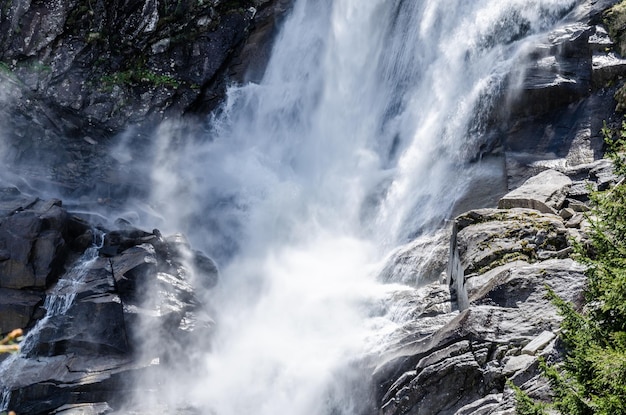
point(58, 301)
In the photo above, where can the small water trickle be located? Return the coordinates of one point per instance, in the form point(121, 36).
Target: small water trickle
point(57, 302)
point(4, 399)
point(64, 292)
point(61, 297)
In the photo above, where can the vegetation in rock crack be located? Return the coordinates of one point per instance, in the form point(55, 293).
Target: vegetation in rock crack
point(591, 379)
point(139, 76)
point(525, 405)
point(614, 19)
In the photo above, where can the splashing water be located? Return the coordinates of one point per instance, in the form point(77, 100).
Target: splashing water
point(358, 138)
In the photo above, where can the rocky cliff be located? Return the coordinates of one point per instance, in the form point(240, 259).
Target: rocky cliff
point(73, 75)
point(500, 320)
point(76, 73)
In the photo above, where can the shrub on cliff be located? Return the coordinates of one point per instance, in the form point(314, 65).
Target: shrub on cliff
point(614, 19)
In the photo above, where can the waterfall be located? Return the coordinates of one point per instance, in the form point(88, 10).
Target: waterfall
point(362, 135)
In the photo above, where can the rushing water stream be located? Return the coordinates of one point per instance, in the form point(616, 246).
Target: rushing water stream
point(358, 138)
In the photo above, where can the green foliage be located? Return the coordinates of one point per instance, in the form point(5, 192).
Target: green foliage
point(139, 76)
point(38, 66)
point(615, 20)
point(5, 68)
point(525, 405)
point(620, 99)
point(32, 66)
point(592, 377)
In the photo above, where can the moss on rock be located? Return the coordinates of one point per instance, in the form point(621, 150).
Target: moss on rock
point(615, 21)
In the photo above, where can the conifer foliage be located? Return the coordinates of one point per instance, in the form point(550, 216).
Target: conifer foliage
point(592, 377)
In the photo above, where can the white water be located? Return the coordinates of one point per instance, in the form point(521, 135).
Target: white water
point(357, 138)
point(62, 297)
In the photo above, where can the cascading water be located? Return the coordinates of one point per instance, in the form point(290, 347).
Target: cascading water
point(358, 138)
point(64, 293)
point(57, 302)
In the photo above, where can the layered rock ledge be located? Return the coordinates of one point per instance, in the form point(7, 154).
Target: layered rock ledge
point(499, 321)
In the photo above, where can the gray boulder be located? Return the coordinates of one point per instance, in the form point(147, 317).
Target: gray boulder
point(485, 239)
point(458, 365)
point(467, 362)
point(544, 192)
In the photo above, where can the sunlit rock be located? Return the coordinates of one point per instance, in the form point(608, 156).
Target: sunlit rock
point(501, 263)
point(544, 192)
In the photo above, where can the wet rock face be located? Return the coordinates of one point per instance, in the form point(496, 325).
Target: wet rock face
point(564, 91)
point(74, 73)
point(113, 308)
point(35, 238)
point(117, 63)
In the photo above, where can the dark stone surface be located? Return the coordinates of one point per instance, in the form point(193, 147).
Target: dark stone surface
point(32, 242)
point(74, 74)
point(155, 58)
point(17, 308)
point(564, 92)
point(109, 314)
